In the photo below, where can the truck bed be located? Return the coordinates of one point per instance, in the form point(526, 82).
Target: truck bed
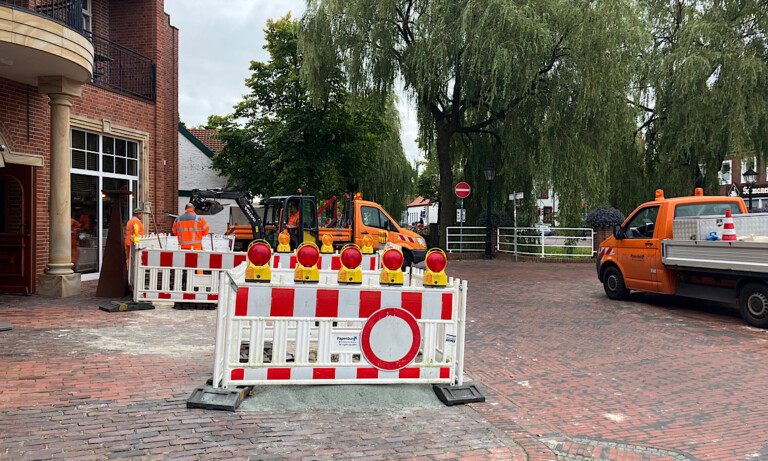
point(735, 256)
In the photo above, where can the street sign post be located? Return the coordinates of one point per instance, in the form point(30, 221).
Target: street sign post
point(462, 190)
point(515, 197)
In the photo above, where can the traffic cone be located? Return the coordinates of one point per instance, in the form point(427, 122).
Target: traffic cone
point(729, 232)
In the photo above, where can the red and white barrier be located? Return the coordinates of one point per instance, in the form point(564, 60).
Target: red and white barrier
point(326, 333)
point(180, 275)
point(193, 276)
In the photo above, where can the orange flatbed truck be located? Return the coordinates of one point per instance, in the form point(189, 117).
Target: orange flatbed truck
point(663, 247)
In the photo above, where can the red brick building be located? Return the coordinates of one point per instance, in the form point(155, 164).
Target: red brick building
point(89, 91)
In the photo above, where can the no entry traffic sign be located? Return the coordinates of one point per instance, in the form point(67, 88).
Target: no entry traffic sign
point(462, 190)
point(390, 339)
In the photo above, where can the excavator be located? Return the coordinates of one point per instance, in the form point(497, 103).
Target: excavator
point(358, 219)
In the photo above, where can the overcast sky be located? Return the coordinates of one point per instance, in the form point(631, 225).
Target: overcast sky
point(218, 40)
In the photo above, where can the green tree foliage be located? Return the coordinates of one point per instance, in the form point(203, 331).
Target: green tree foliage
point(390, 181)
point(536, 87)
point(701, 93)
point(279, 140)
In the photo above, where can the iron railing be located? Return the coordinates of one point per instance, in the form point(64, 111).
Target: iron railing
point(67, 12)
point(118, 68)
point(115, 67)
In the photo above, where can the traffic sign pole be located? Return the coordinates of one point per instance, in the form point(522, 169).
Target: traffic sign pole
point(461, 223)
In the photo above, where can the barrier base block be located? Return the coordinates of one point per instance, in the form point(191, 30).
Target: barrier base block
point(5, 326)
point(457, 395)
point(208, 397)
point(125, 306)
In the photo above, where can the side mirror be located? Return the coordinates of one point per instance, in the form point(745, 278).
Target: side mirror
point(618, 233)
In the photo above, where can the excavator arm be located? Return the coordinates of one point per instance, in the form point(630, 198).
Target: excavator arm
point(205, 202)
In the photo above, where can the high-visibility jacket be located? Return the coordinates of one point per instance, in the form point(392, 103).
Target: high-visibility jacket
point(129, 230)
point(293, 222)
point(190, 229)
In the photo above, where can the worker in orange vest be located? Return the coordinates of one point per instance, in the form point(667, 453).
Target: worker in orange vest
point(190, 229)
point(129, 229)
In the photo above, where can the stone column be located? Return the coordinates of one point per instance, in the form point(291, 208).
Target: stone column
point(59, 279)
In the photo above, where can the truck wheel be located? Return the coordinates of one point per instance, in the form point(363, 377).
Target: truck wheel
point(613, 283)
point(753, 304)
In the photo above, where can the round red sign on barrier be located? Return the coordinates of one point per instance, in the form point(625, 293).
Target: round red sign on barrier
point(462, 190)
point(390, 339)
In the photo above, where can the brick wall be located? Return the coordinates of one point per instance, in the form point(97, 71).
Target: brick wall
point(25, 118)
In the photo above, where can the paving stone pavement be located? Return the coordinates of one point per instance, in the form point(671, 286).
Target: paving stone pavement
point(567, 373)
point(78, 383)
point(655, 377)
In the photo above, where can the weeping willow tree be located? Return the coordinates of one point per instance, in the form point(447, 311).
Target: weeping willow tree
point(390, 180)
point(544, 80)
point(702, 91)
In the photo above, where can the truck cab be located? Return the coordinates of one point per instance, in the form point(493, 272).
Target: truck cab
point(631, 258)
point(371, 219)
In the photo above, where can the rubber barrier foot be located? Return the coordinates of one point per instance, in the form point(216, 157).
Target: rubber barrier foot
point(5, 326)
point(208, 397)
point(125, 306)
point(457, 395)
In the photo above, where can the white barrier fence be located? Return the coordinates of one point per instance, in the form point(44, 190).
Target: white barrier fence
point(179, 275)
point(326, 333)
point(192, 276)
point(211, 242)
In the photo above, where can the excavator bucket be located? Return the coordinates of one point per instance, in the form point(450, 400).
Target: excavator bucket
point(208, 207)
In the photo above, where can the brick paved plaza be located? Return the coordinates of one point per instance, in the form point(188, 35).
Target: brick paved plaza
point(567, 374)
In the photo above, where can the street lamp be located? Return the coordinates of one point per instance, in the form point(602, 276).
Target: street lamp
point(490, 173)
point(750, 177)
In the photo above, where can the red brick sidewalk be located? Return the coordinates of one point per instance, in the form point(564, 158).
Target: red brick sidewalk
point(655, 377)
point(78, 383)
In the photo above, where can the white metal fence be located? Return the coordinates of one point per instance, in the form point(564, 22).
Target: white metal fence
point(562, 242)
point(465, 239)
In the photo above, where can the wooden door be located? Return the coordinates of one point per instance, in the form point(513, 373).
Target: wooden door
point(16, 243)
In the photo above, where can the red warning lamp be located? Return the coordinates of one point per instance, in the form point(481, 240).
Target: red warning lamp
point(308, 255)
point(435, 276)
point(392, 259)
point(436, 261)
point(351, 257)
point(259, 254)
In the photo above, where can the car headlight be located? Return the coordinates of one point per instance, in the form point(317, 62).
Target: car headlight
point(421, 242)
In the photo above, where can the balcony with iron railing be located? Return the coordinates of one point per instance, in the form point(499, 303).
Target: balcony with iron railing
point(110, 65)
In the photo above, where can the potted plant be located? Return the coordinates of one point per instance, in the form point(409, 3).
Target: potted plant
point(602, 219)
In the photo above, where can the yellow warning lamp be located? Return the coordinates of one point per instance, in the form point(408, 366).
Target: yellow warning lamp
point(392, 259)
point(259, 255)
point(284, 241)
point(698, 192)
point(435, 276)
point(383, 237)
point(659, 194)
point(367, 245)
point(327, 244)
point(307, 256)
point(351, 258)
point(136, 237)
point(359, 196)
